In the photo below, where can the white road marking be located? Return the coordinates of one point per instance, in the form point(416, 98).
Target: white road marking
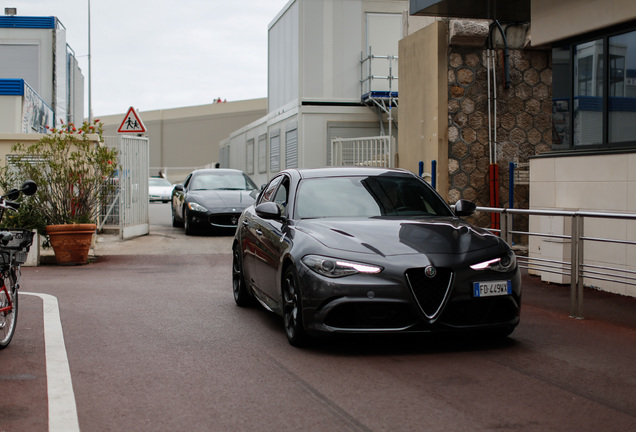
point(62, 408)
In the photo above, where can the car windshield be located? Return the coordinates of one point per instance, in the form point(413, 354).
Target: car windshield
point(222, 181)
point(372, 196)
point(156, 181)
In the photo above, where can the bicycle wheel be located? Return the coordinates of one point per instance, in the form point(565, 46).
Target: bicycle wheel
point(8, 311)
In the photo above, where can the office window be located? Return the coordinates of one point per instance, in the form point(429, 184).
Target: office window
point(588, 93)
point(594, 92)
point(622, 88)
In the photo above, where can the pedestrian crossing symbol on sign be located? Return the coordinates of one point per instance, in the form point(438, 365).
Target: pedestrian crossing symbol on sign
point(132, 123)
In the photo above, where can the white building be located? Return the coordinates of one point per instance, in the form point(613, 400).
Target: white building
point(40, 80)
point(317, 89)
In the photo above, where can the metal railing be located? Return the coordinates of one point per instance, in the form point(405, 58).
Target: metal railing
point(375, 151)
point(576, 268)
point(370, 81)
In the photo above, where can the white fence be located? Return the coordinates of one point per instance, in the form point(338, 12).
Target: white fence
point(365, 151)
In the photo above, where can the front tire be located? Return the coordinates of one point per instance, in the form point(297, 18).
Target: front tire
point(241, 294)
point(187, 224)
point(175, 222)
point(8, 317)
point(292, 309)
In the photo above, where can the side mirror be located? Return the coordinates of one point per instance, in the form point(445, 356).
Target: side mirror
point(268, 210)
point(464, 207)
point(29, 187)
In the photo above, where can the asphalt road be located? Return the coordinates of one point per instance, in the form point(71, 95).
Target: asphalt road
point(154, 342)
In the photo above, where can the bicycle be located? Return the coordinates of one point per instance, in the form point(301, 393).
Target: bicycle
point(14, 249)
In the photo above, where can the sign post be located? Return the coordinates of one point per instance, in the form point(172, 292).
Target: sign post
point(132, 123)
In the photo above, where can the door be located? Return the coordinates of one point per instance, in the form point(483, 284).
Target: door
point(272, 243)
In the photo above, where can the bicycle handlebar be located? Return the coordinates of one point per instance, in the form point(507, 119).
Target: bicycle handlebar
point(29, 187)
point(9, 204)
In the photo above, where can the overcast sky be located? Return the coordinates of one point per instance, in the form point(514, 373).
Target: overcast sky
point(161, 54)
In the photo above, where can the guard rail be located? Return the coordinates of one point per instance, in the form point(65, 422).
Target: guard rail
point(576, 267)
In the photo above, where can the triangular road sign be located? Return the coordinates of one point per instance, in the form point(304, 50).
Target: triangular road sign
point(132, 123)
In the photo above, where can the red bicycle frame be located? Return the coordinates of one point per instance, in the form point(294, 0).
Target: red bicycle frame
point(9, 307)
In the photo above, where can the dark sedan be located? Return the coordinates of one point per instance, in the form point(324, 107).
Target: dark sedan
point(211, 200)
point(371, 250)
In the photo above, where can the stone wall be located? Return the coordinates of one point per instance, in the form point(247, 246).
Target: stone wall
point(524, 122)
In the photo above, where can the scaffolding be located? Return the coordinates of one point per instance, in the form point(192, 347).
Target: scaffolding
point(379, 85)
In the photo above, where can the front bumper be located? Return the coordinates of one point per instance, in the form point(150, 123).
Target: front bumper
point(380, 304)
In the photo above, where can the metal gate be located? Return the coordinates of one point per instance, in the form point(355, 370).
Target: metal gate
point(126, 205)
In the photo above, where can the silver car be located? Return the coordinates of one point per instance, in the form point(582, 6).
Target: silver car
point(159, 189)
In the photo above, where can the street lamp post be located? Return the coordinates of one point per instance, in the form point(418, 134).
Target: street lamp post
point(90, 107)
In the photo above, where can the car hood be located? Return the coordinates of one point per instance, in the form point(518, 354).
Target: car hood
point(222, 199)
point(386, 236)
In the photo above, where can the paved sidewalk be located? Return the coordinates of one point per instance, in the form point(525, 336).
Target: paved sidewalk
point(158, 242)
point(597, 305)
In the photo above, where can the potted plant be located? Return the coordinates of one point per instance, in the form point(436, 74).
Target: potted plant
point(72, 168)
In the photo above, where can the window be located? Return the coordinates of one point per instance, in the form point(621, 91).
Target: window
point(274, 151)
point(622, 88)
point(221, 181)
point(268, 192)
point(371, 196)
point(249, 161)
point(262, 153)
point(594, 92)
point(281, 197)
point(588, 93)
point(291, 146)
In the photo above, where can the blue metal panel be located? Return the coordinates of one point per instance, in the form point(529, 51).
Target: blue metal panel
point(380, 94)
point(13, 21)
point(627, 104)
point(590, 103)
point(12, 87)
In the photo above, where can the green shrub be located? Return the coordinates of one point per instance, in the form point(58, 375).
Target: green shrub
point(72, 173)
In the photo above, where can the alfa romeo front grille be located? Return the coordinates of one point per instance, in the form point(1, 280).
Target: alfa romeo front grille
point(430, 292)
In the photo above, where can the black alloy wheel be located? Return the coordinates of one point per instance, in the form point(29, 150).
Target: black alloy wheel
point(292, 309)
point(187, 223)
point(241, 295)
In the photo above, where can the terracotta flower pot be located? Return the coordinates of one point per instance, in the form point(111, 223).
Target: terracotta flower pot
point(71, 242)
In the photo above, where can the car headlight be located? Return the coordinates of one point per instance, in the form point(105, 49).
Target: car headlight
point(333, 267)
point(196, 207)
point(502, 264)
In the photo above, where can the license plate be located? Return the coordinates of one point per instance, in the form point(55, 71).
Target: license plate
point(492, 288)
